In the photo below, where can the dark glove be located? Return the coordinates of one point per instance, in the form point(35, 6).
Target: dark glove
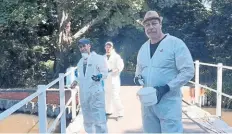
point(138, 80)
point(109, 71)
point(161, 91)
point(97, 77)
point(76, 73)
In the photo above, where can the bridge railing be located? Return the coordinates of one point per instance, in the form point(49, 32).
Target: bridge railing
point(42, 105)
point(218, 91)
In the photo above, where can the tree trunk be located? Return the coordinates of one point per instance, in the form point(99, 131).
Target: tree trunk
point(63, 38)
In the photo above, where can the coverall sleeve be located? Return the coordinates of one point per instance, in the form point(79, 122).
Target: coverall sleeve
point(184, 65)
point(103, 67)
point(138, 66)
point(120, 63)
point(78, 71)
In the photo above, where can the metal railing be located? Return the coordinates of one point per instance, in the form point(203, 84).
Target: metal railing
point(42, 106)
point(218, 91)
point(41, 93)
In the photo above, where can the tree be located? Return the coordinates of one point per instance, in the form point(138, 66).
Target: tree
point(219, 32)
point(37, 35)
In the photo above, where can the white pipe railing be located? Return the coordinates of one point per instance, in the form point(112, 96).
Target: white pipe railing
point(42, 106)
point(18, 105)
point(62, 103)
point(219, 92)
point(42, 111)
point(41, 93)
point(197, 80)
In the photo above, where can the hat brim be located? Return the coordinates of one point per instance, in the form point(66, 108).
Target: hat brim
point(109, 43)
point(83, 42)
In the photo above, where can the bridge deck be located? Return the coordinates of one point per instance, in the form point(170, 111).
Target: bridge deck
point(131, 122)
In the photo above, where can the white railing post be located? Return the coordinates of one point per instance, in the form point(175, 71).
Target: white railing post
point(219, 90)
point(74, 106)
point(62, 103)
point(197, 79)
point(42, 107)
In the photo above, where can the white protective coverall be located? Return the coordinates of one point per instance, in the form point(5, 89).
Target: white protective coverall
point(92, 94)
point(113, 83)
point(171, 64)
point(71, 77)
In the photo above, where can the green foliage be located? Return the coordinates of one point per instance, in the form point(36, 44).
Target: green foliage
point(189, 22)
point(219, 32)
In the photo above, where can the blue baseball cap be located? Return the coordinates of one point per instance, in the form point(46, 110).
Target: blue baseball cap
point(83, 41)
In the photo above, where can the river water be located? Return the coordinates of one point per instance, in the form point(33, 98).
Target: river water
point(226, 114)
point(21, 123)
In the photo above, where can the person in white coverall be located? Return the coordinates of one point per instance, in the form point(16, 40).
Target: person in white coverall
point(165, 64)
point(92, 70)
point(112, 83)
point(71, 77)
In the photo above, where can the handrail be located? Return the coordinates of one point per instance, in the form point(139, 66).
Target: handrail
point(227, 67)
point(207, 64)
point(18, 105)
point(213, 90)
point(218, 91)
point(69, 72)
point(41, 94)
point(58, 79)
point(214, 65)
point(52, 127)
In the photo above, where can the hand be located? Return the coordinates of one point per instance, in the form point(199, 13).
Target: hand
point(73, 85)
point(138, 80)
point(97, 77)
point(161, 91)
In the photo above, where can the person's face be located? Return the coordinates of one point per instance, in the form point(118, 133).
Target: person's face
point(108, 48)
point(153, 28)
point(84, 48)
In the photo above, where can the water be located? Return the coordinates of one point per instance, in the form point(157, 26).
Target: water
point(21, 123)
point(226, 114)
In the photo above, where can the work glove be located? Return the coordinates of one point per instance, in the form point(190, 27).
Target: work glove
point(109, 71)
point(76, 73)
point(74, 84)
point(97, 78)
point(138, 80)
point(161, 91)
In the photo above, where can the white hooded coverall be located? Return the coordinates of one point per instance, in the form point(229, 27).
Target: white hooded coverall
point(171, 64)
point(112, 85)
point(92, 95)
point(71, 77)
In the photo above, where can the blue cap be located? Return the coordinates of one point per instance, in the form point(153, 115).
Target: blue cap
point(83, 41)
